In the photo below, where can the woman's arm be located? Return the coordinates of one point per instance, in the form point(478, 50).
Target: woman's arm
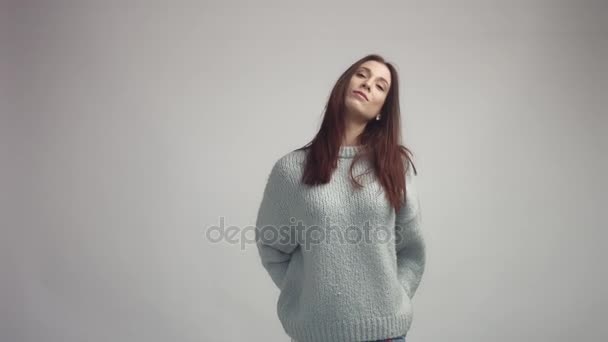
point(273, 224)
point(409, 240)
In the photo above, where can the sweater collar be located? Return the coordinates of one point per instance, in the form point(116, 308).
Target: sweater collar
point(349, 151)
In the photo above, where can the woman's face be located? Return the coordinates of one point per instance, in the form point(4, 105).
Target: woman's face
point(372, 81)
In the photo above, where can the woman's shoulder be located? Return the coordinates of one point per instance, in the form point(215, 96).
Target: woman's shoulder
point(291, 159)
point(289, 165)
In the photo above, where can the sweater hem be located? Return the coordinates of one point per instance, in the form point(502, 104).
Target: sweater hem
point(364, 329)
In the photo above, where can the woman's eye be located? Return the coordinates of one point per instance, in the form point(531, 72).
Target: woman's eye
point(360, 74)
point(379, 87)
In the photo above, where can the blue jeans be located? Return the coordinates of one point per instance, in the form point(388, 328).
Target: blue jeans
point(393, 339)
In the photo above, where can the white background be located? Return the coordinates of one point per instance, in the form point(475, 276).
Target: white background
point(129, 128)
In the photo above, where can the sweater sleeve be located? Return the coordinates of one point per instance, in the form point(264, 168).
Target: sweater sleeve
point(273, 232)
point(409, 240)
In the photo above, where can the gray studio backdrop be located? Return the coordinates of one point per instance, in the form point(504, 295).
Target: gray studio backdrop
point(130, 128)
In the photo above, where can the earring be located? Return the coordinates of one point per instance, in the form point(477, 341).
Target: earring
point(378, 117)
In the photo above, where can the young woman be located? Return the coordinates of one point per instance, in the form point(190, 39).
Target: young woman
point(338, 228)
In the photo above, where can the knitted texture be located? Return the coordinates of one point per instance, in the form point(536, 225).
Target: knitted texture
point(346, 264)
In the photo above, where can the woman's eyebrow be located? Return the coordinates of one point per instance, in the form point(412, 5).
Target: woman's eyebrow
point(381, 78)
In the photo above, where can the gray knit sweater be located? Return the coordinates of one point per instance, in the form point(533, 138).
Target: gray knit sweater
point(346, 265)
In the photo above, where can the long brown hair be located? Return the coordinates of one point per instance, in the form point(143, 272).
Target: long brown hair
point(381, 140)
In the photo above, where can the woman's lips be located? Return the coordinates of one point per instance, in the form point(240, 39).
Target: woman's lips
point(360, 94)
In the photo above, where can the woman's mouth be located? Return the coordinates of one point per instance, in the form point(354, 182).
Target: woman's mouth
point(360, 95)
